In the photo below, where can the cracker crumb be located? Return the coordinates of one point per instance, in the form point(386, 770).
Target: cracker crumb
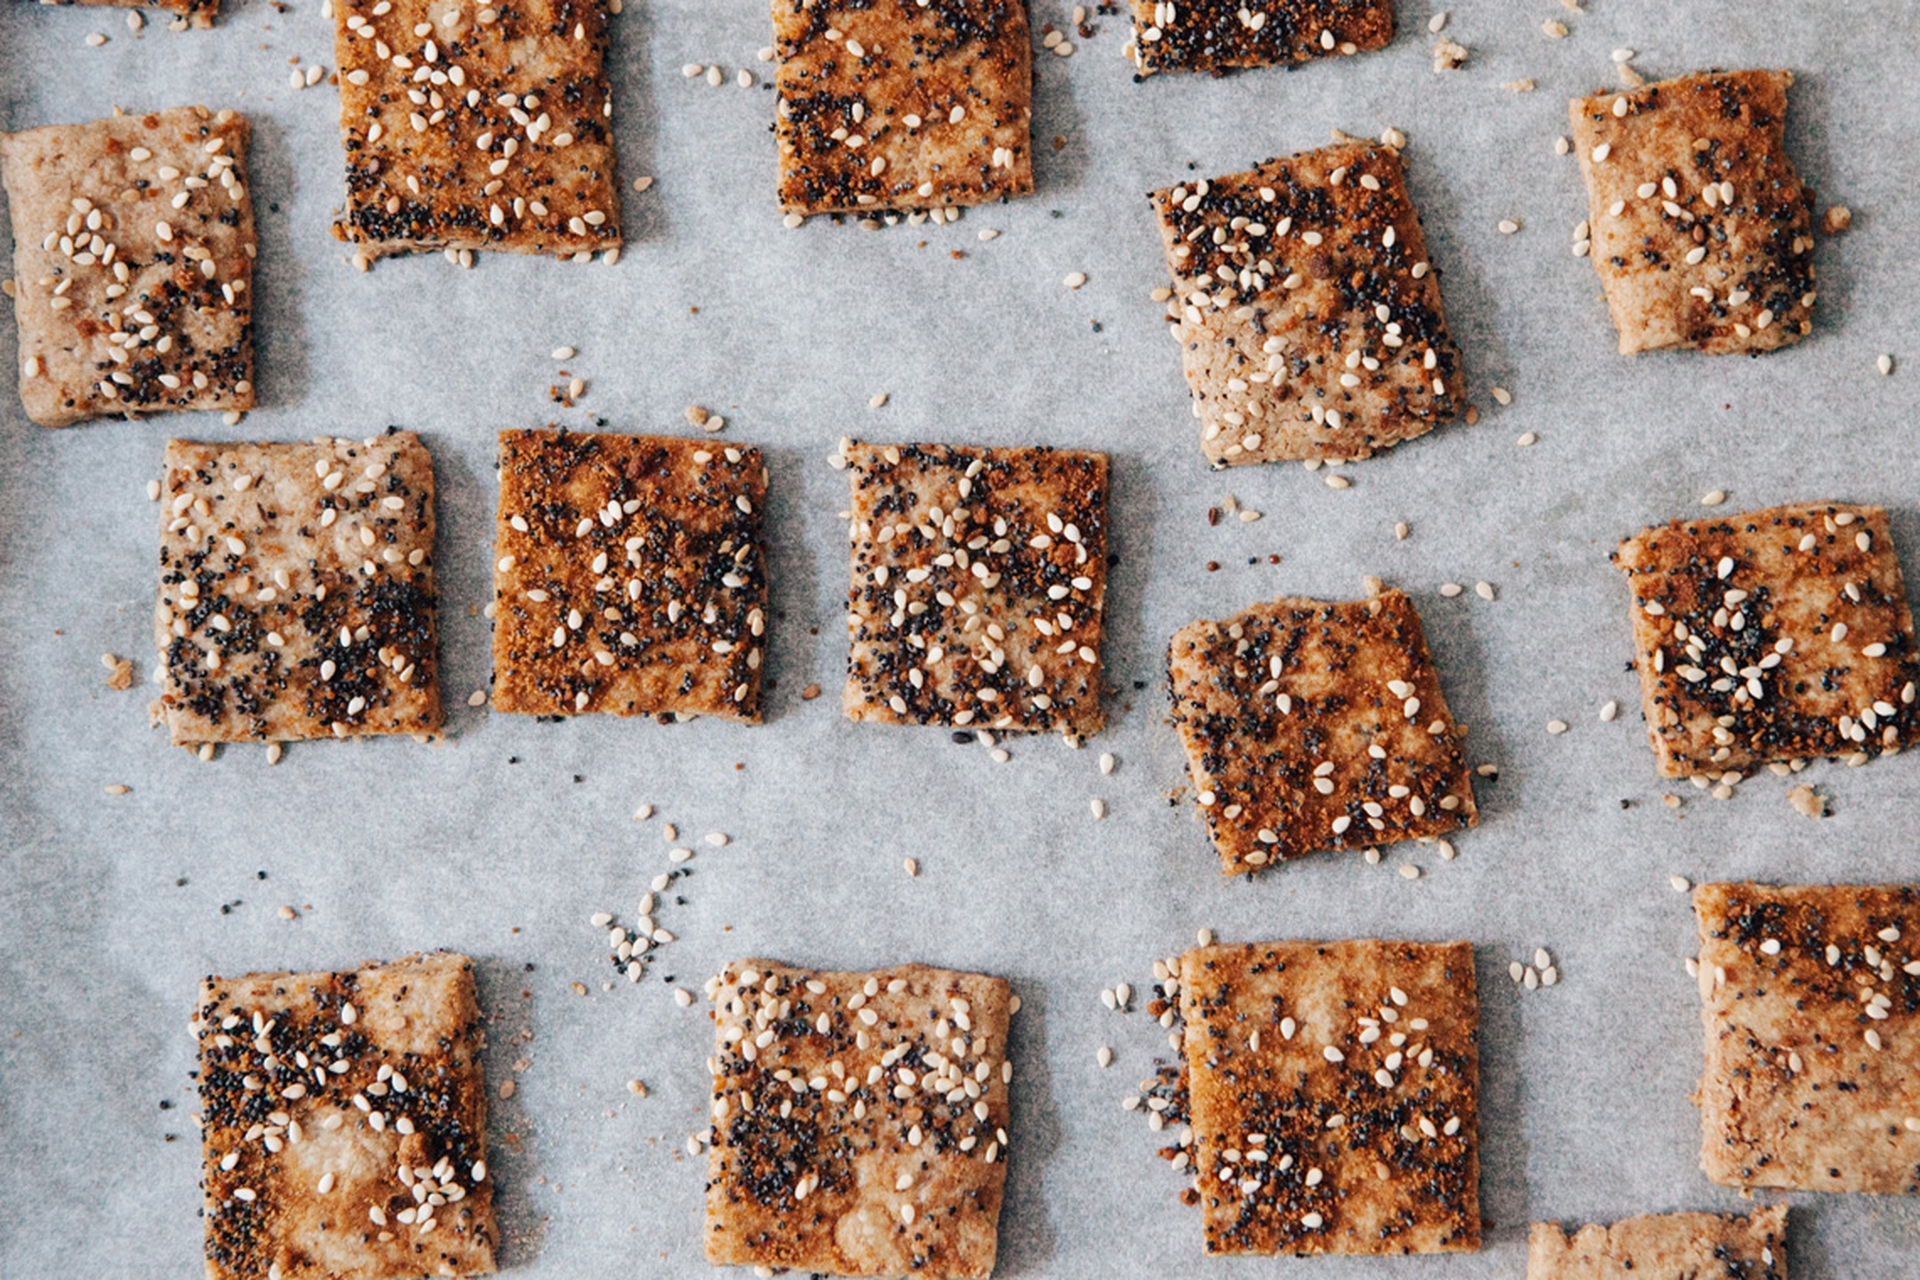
point(1448, 55)
point(288, 913)
point(1838, 219)
point(1553, 29)
point(1809, 802)
point(638, 1088)
point(116, 788)
point(809, 693)
point(697, 415)
point(1523, 85)
point(119, 671)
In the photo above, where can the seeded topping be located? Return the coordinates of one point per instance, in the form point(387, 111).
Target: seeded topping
point(1809, 996)
point(1214, 35)
point(1701, 231)
point(469, 128)
point(194, 13)
point(859, 1120)
point(629, 576)
point(901, 104)
point(1308, 317)
point(1334, 1096)
point(1773, 635)
point(343, 1117)
point(297, 594)
point(133, 258)
point(1312, 726)
point(1706, 1246)
point(979, 583)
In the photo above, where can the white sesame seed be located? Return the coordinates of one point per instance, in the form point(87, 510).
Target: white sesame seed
point(877, 400)
point(1107, 762)
point(564, 353)
point(1339, 482)
point(1104, 1057)
point(1098, 808)
point(1680, 883)
point(644, 812)
point(1074, 279)
point(1556, 726)
point(1484, 590)
point(1527, 439)
point(718, 839)
point(1884, 364)
point(1713, 499)
point(692, 69)
point(1508, 226)
point(1409, 872)
point(911, 866)
point(1204, 937)
point(1437, 23)
point(1451, 589)
point(1608, 710)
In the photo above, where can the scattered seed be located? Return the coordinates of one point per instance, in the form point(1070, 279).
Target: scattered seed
point(564, 353)
point(1556, 726)
point(288, 913)
point(1075, 279)
point(116, 788)
point(1339, 482)
point(1099, 808)
point(1484, 590)
point(1104, 1057)
point(1884, 364)
point(1437, 23)
point(1526, 440)
point(1409, 872)
point(912, 867)
point(478, 698)
point(1451, 589)
point(644, 812)
point(877, 400)
point(1714, 498)
point(1608, 710)
point(638, 1088)
point(1107, 762)
point(1508, 226)
point(718, 839)
point(1504, 396)
point(1680, 883)
point(643, 182)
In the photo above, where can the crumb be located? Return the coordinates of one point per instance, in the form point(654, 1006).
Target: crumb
point(1810, 802)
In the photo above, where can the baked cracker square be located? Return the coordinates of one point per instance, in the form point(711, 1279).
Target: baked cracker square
point(1215, 35)
point(476, 127)
point(1705, 1246)
point(630, 576)
point(979, 584)
point(1311, 725)
point(901, 104)
point(297, 595)
point(187, 13)
point(344, 1123)
point(1699, 228)
point(1308, 317)
point(859, 1120)
point(133, 251)
point(1334, 1095)
point(1771, 635)
point(1808, 995)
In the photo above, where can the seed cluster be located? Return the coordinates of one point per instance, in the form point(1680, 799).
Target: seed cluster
point(1215, 35)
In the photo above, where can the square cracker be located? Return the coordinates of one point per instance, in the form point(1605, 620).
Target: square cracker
point(1808, 995)
point(1215, 35)
point(1706, 1246)
point(1701, 232)
point(344, 1123)
point(1334, 1090)
point(297, 595)
point(1771, 635)
point(1308, 316)
point(1311, 726)
point(859, 1120)
point(902, 104)
point(630, 578)
point(193, 13)
point(979, 584)
point(133, 264)
point(476, 127)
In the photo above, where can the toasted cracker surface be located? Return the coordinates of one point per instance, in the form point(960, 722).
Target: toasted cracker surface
point(133, 263)
point(1771, 635)
point(859, 1120)
point(1701, 231)
point(1215, 35)
point(1702, 1246)
point(194, 13)
point(344, 1123)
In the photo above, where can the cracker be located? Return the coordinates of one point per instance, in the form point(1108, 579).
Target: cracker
point(859, 1120)
point(1308, 317)
point(187, 13)
point(1334, 1089)
point(1312, 726)
point(630, 576)
point(979, 584)
point(902, 104)
point(1704, 1246)
point(1701, 231)
point(1771, 635)
point(1216, 35)
point(492, 130)
point(1812, 1077)
point(344, 1123)
point(297, 594)
point(133, 264)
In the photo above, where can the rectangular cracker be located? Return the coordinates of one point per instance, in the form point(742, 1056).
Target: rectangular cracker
point(978, 586)
point(1334, 1089)
point(630, 576)
point(1312, 726)
point(1771, 635)
point(1707, 1246)
point(344, 1123)
point(187, 13)
point(1808, 996)
point(505, 144)
point(859, 1120)
point(1701, 232)
point(133, 264)
point(297, 594)
point(901, 104)
point(1308, 317)
point(1216, 35)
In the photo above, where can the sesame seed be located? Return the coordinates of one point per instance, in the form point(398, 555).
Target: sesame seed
point(1339, 482)
point(1884, 364)
point(644, 812)
point(564, 353)
point(1680, 883)
point(1074, 279)
point(1484, 590)
point(1204, 937)
point(1437, 23)
point(911, 866)
point(1608, 710)
point(1561, 145)
point(1451, 589)
point(116, 788)
point(95, 41)
point(1556, 726)
point(1098, 808)
point(716, 77)
point(692, 70)
point(1507, 227)
point(877, 400)
point(1526, 439)
point(1107, 762)
point(1553, 30)
point(718, 839)
point(1104, 1057)
point(1409, 872)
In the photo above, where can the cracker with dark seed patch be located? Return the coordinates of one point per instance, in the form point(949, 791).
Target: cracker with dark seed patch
point(630, 576)
point(978, 586)
point(133, 264)
point(902, 104)
point(1308, 317)
point(859, 1120)
point(1703, 1246)
point(1311, 726)
point(1216, 35)
point(1701, 231)
point(1334, 1089)
point(297, 594)
point(1771, 635)
point(476, 127)
point(344, 1123)
point(1810, 997)
point(193, 13)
